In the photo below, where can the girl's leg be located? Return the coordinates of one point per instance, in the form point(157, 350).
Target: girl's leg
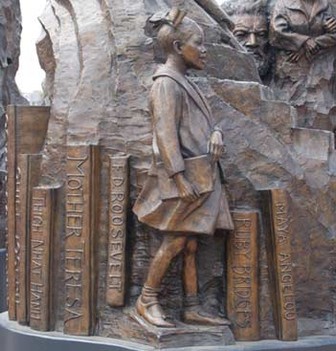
point(189, 268)
point(171, 246)
point(194, 312)
point(147, 304)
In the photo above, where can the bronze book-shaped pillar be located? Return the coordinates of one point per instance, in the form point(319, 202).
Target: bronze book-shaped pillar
point(28, 177)
point(242, 277)
point(118, 206)
point(279, 235)
point(41, 256)
point(82, 195)
point(26, 131)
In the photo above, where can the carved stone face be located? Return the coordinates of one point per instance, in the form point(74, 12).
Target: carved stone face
point(252, 32)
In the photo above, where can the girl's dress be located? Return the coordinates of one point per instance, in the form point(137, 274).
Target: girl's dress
point(182, 125)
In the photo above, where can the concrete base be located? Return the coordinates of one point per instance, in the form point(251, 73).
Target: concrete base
point(14, 337)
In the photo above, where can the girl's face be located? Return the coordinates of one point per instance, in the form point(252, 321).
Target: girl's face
point(193, 50)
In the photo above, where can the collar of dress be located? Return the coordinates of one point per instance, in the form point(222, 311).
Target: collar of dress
point(190, 87)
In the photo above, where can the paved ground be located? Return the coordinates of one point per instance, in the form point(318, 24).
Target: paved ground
point(14, 337)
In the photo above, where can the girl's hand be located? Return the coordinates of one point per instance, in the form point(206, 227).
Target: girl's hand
point(216, 145)
point(187, 191)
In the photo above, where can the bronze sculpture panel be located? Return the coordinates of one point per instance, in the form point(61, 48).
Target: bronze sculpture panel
point(164, 282)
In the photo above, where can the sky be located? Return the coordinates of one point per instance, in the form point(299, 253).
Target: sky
point(30, 75)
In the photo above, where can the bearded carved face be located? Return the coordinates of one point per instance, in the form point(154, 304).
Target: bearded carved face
point(252, 32)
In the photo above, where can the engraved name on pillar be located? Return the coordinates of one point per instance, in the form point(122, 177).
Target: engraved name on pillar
point(278, 232)
point(80, 221)
point(243, 302)
point(29, 166)
point(284, 258)
point(118, 203)
point(42, 232)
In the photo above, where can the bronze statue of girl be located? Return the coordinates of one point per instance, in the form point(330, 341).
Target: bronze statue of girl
point(183, 196)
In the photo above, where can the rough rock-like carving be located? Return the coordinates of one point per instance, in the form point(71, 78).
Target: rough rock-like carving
point(10, 19)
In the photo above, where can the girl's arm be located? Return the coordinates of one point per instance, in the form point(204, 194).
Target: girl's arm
point(166, 104)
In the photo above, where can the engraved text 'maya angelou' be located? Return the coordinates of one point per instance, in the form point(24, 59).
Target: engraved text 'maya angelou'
point(285, 270)
point(279, 236)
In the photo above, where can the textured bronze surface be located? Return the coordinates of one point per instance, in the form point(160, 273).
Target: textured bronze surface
point(30, 127)
point(279, 235)
point(41, 257)
point(118, 206)
point(82, 172)
point(220, 16)
point(242, 276)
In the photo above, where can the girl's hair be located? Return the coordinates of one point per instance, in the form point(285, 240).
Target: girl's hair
point(168, 34)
